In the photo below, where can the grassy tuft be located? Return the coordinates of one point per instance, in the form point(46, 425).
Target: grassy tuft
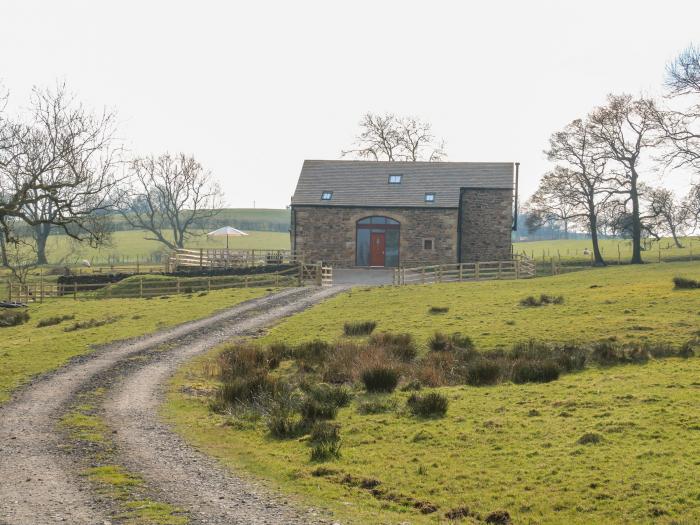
point(358, 328)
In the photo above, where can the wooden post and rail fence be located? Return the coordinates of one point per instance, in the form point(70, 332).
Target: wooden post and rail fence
point(143, 286)
point(517, 268)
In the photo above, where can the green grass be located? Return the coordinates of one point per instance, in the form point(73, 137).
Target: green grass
point(613, 250)
point(127, 246)
point(27, 350)
point(512, 447)
point(632, 304)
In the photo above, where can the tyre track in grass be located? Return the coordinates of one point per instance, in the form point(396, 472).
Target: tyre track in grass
point(40, 482)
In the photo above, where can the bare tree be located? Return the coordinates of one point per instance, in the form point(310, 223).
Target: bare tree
point(666, 214)
point(166, 194)
point(692, 203)
point(581, 181)
point(681, 127)
point(553, 200)
point(624, 129)
point(62, 159)
point(388, 137)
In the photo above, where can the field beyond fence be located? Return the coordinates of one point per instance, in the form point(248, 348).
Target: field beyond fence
point(145, 285)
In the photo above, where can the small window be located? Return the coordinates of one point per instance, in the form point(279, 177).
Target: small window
point(429, 197)
point(326, 195)
point(395, 179)
point(427, 244)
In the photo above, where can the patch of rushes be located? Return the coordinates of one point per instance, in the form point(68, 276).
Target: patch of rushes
point(127, 491)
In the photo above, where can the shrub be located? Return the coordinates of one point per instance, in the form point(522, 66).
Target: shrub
point(568, 357)
point(245, 389)
point(529, 301)
point(526, 371)
point(51, 321)
point(483, 372)
point(432, 404)
point(341, 364)
point(440, 342)
point(590, 438)
point(285, 425)
point(242, 360)
point(687, 349)
point(355, 328)
point(322, 431)
point(325, 451)
point(338, 396)
point(380, 379)
point(312, 352)
point(605, 352)
point(436, 368)
point(280, 350)
point(541, 300)
point(438, 309)
point(312, 410)
point(401, 346)
point(683, 283)
point(13, 317)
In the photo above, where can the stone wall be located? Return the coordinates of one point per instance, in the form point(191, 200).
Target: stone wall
point(328, 233)
point(486, 224)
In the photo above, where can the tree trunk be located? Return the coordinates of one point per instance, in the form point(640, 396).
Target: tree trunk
point(636, 221)
point(41, 233)
point(3, 251)
point(593, 225)
point(675, 237)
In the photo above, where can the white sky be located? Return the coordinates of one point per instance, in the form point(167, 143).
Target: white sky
point(254, 88)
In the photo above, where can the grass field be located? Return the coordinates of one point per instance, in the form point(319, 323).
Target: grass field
point(27, 350)
point(637, 304)
point(127, 246)
point(613, 250)
point(510, 447)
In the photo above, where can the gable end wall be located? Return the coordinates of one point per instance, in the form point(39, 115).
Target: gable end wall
point(486, 221)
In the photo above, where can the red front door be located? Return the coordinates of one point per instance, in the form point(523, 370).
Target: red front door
point(377, 248)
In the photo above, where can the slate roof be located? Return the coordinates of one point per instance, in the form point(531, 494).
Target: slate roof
point(366, 183)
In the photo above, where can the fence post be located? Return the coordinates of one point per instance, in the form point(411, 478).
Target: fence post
point(319, 271)
point(476, 270)
point(517, 269)
point(277, 279)
point(75, 290)
point(208, 284)
point(301, 274)
point(41, 286)
point(141, 288)
point(201, 258)
point(177, 285)
point(499, 269)
point(9, 290)
point(461, 272)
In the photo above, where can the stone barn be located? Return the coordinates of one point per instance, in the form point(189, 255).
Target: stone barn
point(386, 214)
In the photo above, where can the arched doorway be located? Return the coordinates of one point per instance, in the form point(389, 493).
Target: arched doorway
point(377, 242)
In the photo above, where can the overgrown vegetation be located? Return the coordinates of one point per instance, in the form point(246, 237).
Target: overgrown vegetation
point(356, 328)
point(13, 317)
point(684, 283)
point(54, 320)
point(542, 300)
point(492, 430)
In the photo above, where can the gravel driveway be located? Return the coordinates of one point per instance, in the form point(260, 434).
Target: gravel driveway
point(40, 484)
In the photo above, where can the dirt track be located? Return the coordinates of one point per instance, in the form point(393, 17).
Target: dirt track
point(40, 484)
